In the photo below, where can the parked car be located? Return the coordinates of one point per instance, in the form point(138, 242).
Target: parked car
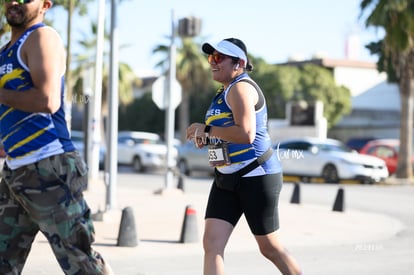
point(191, 159)
point(328, 159)
point(142, 150)
point(78, 141)
point(386, 149)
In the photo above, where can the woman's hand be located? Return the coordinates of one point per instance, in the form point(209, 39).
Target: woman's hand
point(196, 133)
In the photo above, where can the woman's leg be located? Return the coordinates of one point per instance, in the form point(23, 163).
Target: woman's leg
point(260, 199)
point(216, 235)
point(271, 247)
point(222, 214)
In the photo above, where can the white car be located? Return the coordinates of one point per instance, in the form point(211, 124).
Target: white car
point(142, 150)
point(78, 141)
point(328, 159)
point(191, 159)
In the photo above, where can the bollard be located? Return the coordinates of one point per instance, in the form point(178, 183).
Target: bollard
point(127, 235)
point(339, 204)
point(296, 194)
point(189, 230)
point(180, 183)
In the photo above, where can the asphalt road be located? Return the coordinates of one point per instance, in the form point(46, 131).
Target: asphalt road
point(357, 246)
point(388, 257)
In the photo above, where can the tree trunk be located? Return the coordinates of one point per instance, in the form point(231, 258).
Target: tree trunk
point(404, 167)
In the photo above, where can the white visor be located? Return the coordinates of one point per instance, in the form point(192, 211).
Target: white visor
point(225, 47)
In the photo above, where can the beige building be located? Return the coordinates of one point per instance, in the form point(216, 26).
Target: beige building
point(375, 103)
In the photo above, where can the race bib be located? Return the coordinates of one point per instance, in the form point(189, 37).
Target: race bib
point(218, 154)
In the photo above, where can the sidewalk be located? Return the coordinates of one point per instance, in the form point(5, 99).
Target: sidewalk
point(159, 220)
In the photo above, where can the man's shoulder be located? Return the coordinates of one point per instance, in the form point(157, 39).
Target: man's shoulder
point(46, 36)
point(47, 30)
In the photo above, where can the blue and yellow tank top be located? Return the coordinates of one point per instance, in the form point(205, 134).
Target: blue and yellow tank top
point(28, 137)
point(220, 114)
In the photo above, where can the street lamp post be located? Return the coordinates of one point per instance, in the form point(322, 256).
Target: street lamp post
point(170, 115)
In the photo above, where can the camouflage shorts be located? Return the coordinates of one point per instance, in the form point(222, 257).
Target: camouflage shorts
point(47, 196)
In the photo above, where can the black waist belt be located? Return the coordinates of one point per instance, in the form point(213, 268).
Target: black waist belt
point(256, 163)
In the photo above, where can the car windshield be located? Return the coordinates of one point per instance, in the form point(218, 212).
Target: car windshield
point(329, 147)
point(147, 141)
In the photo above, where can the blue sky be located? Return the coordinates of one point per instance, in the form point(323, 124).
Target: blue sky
point(271, 29)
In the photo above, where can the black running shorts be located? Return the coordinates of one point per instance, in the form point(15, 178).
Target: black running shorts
point(257, 198)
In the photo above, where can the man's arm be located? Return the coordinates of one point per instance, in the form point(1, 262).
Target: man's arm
point(44, 54)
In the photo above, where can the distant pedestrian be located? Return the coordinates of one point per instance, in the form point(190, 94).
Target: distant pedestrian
point(248, 176)
point(43, 177)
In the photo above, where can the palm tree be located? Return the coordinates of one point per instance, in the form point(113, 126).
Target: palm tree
point(396, 17)
point(70, 6)
point(4, 27)
point(85, 61)
point(192, 74)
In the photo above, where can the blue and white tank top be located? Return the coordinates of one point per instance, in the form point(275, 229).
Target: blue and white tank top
point(220, 114)
point(28, 137)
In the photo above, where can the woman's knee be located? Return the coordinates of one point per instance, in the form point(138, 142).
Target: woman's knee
point(271, 252)
point(213, 243)
point(216, 235)
point(270, 246)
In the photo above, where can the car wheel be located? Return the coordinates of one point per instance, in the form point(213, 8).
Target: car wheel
point(367, 180)
point(330, 174)
point(183, 167)
point(305, 179)
point(137, 164)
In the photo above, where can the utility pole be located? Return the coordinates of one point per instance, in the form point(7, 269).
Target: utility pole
point(68, 76)
point(93, 161)
point(111, 171)
point(167, 94)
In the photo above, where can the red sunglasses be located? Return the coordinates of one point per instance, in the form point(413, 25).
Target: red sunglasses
point(217, 58)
